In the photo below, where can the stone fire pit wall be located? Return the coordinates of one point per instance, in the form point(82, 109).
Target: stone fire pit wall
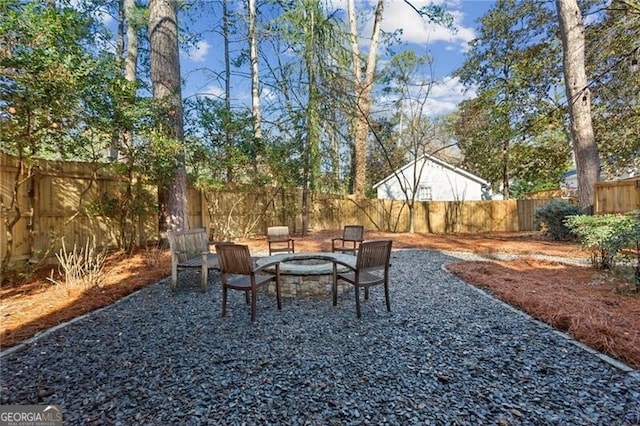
point(306, 275)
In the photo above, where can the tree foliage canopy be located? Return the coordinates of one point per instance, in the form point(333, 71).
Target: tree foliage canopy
point(515, 66)
point(57, 96)
point(62, 94)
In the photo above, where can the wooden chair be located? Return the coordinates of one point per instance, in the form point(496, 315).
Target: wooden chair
point(352, 237)
point(237, 272)
point(190, 250)
point(279, 240)
point(372, 268)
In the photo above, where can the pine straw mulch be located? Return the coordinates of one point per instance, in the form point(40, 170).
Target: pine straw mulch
point(575, 299)
point(35, 304)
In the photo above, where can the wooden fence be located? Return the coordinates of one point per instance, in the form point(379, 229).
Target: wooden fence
point(617, 197)
point(47, 202)
point(78, 201)
point(430, 217)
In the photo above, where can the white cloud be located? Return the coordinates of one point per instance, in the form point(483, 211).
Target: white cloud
point(418, 30)
point(105, 17)
point(199, 52)
point(445, 96)
point(101, 14)
point(268, 94)
point(212, 91)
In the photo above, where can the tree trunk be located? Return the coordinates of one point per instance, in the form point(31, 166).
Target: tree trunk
point(165, 81)
point(505, 169)
point(116, 135)
point(312, 22)
point(126, 149)
point(131, 57)
point(130, 69)
point(363, 88)
point(411, 205)
point(579, 98)
point(227, 87)
point(255, 76)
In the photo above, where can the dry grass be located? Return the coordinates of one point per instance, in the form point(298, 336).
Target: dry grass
point(578, 300)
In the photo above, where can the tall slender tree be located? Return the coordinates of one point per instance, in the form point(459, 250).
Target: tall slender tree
point(311, 35)
point(165, 80)
point(255, 70)
point(364, 75)
point(363, 86)
point(226, 29)
point(411, 78)
point(127, 49)
point(312, 18)
point(579, 100)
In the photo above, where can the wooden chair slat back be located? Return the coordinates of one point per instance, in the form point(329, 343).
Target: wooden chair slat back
point(278, 233)
point(353, 233)
point(234, 259)
point(189, 243)
point(374, 255)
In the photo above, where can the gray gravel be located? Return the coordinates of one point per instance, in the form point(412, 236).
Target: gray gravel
point(446, 354)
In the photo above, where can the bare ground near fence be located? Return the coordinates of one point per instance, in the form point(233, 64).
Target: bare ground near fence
point(576, 299)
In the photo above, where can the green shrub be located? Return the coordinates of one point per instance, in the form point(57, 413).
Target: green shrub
point(550, 219)
point(606, 235)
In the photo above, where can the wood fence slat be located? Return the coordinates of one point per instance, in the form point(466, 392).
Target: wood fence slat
point(617, 196)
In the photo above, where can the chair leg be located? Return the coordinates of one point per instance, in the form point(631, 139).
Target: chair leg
point(366, 293)
point(174, 276)
point(246, 297)
point(358, 301)
point(204, 277)
point(224, 300)
point(386, 296)
point(253, 305)
point(334, 285)
point(278, 299)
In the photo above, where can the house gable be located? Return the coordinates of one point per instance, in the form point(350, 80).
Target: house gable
point(438, 181)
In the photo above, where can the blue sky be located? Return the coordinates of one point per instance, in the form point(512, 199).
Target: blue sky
point(446, 47)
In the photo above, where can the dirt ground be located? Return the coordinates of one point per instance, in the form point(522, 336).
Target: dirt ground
point(579, 300)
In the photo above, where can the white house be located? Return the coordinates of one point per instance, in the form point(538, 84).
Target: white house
point(436, 180)
point(569, 183)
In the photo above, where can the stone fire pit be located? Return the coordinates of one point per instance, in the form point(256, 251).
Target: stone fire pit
point(307, 274)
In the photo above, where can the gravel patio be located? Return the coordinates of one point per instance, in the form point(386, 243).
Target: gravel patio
point(446, 354)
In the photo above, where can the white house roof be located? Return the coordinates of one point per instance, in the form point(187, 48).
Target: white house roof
point(453, 168)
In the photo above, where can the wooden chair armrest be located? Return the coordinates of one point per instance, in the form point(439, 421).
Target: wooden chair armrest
point(195, 253)
point(266, 265)
point(339, 262)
